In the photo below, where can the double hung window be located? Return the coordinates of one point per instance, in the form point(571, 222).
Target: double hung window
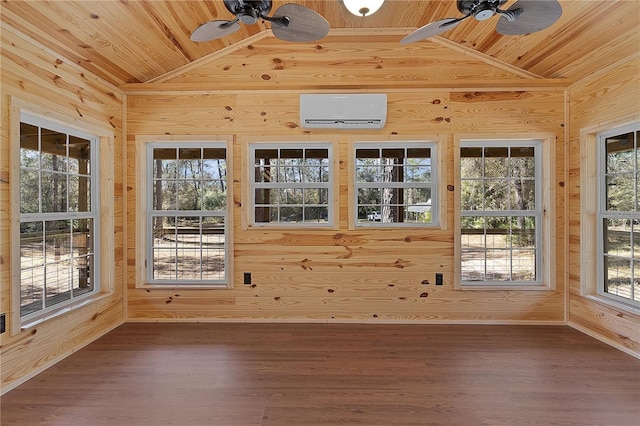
point(501, 213)
point(619, 215)
point(187, 224)
point(59, 222)
point(395, 184)
point(291, 185)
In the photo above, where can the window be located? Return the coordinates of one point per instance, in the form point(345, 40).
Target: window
point(59, 223)
point(395, 184)
point(187, 222)
point(291, 186)
point(503, 236)
point(619, 214)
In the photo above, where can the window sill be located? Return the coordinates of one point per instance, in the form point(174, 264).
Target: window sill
point(613, 304)
point(174, 286)
point(523, 287)
point(63, 310)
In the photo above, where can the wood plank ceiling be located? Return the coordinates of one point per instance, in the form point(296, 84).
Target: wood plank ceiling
point(131, 41)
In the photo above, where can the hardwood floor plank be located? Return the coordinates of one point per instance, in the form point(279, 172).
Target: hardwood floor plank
point(333, 374)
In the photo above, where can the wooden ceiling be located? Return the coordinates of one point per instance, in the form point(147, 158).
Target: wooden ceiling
point(129, 41)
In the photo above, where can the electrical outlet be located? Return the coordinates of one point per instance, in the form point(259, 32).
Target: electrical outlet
point(3, 323)
point(247, 277)
point(438, 278)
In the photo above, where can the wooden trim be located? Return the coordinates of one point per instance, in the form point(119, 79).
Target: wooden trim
point(489, 60)
point(531, 85)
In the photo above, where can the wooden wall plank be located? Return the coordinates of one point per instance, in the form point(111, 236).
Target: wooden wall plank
point(31, 74)
point(343, 274)
point(598, 102)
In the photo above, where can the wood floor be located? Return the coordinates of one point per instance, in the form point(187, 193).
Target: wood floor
point(334, 374)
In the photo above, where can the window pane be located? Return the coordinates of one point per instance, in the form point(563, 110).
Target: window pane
point(57, 240)
point(79, 193)
point(522, 194)
point(32, 290)
point(620, 153)
point(316, 214)
point(498, 265)
point(189, 195)
point(522, 162)
point(496, 194)
point(471, 163)
point(54, 192)
point(636, 280)
point(79, 155)
point(82, 275)
point(617, 240)
point(291, 214)
point(523, 265)
point(473, 244)
point(31, 244)
point(165, 164)
point(291, 196)
point(215, 196)
point(164, 264)
point(621, 194)
point(618, 276)
point(316, 196)
point(523, 231)
point(58, 282)
point(213, 264)
point(636, 239)
point(53, 147)
point(495, 162)
point(165, 195)
point(29, 191)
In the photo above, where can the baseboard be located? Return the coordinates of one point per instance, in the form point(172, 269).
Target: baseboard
point(344, 321)
point(603, 339)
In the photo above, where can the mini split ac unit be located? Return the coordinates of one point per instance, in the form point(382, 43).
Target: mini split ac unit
point(349, 111)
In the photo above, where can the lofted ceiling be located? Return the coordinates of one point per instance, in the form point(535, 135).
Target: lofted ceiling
point(131, 41)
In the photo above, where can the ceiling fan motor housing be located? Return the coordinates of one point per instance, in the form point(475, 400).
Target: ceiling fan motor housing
point(480, 9)
point(248, 11)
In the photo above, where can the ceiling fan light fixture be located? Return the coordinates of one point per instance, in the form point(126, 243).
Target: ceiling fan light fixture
point(362, 7)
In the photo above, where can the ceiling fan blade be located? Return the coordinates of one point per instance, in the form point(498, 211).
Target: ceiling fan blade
point(214, 29)
point(431, 29)
point(297, 23)
point(536, 16)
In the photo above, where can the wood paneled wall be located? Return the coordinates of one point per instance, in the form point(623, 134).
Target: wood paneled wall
point(601, 102)
point(32, 74)
point(342, 274)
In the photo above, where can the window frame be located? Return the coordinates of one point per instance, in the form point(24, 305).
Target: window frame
point(102, 160)
point(545, 197)
point(437, 219)
point(145, 146)
point(602, 213)
point(252, 185)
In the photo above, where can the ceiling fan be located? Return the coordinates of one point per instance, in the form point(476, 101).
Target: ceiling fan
point(524, 17)
point(290, 22)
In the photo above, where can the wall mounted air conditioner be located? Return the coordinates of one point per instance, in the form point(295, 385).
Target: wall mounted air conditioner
point(349, 111)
